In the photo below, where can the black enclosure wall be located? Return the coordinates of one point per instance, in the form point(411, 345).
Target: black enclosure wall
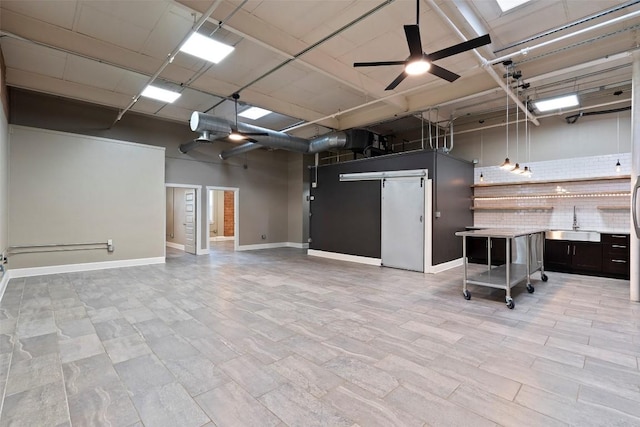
point(345, 216)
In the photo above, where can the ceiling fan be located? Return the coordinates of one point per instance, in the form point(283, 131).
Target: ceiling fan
point(236, 135)
point(420, 62)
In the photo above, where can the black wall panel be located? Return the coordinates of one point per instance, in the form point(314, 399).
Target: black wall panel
point(346, 215)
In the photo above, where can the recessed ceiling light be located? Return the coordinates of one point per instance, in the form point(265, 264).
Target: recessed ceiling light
point(254, 113)
point(510, 4)
point(556, 103)
point(206, 48)
point(160, 94)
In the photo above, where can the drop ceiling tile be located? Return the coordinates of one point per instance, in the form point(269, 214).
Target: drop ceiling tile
point(193, 100)
point(92, 73)
point(171, 29)
point(144, 14)
point(131, 83)
point(27, 56)
point(59, 13)
point(103, 26)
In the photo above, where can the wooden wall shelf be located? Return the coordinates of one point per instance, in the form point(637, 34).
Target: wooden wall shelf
point(554, 181)
point(614, 208)
point(512, 208)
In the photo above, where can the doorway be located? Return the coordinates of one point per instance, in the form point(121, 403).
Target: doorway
point(182, 227)
point(222, 217)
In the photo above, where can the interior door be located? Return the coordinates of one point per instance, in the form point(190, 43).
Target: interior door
point(634, 207)
point(190, 221)
point(403, 223)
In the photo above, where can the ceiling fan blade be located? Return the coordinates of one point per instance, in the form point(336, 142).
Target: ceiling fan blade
point(460, 47)
point(397, 81)
point(443, 73)
point(413, 40)
point(188, 146)
point(253, 133)
point(377, 64)
point(251, 140)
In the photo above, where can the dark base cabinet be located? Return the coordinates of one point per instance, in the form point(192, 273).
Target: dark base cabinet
point(615, 255)
point(608, 258)
point(477, 250)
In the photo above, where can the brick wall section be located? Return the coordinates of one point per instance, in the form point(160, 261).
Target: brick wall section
point(228, 213)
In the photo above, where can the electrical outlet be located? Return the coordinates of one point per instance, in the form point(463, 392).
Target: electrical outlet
point(110, 245)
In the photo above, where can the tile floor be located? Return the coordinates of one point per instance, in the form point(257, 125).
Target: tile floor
point(276, 338)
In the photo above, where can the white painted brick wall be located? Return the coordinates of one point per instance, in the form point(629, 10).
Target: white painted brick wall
point(561, 216)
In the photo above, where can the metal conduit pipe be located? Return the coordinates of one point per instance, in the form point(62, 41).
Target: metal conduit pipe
point(485, 64)
point(569, 25)
point(527, 50)
point(170, 57)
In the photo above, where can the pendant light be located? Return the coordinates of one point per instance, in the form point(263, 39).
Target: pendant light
point(618, 165)
point(516, 170)
point(506, 165)
point(481, 152)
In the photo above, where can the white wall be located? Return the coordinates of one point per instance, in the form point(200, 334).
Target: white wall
point(69, 188)
point(558, 150)
point(553, 139)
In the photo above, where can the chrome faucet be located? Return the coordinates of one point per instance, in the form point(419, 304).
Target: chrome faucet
point(575, 220)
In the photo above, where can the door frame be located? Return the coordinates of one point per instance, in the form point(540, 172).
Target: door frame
point(198, 188)
point(236, 214)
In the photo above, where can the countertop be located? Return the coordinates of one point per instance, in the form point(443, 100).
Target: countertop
point(505, 233)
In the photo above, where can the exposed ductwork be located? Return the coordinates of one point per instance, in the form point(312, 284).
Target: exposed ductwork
point(221, 128)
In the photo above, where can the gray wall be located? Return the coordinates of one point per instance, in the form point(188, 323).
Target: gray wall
point(346, 215)
point(553, 139)
point(4, 181)
point(260, 175)
point(67, 188)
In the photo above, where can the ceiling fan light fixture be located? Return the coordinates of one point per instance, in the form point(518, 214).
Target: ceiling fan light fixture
point(415, 68)
point(235, 136)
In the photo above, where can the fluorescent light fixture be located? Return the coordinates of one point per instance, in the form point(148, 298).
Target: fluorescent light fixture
point(556, 103)
point(160, 94)
point(506, 5)
point(206, 48)
point(372, 176)
point(417, 67)
point(254, 113)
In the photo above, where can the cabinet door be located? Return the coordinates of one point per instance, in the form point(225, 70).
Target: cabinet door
point(557, 255)
point(477, 249)
point(499, 251)
point(587, 256)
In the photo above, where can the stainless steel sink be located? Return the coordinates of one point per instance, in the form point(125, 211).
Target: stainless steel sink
point(576, 236)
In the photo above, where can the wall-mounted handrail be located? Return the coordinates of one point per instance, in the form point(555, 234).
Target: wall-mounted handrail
point(59, 247)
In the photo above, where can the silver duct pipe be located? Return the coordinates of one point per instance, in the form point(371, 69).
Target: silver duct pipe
point(188, 146)
point(240, 149)
point(201, 122)
point(327, 142)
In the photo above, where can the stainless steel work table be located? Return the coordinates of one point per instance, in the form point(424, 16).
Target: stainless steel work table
point(510, 274)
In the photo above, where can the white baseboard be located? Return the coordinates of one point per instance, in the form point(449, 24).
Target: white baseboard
point(273, 246)
point(345, 257)
point(89, 266)
point(297, 245)
point(202, 251)
point(175, 245)
point(445, 266)
point(221, 238)
point(3, 282)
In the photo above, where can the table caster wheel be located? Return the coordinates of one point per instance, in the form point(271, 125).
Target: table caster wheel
point(530, 288)
point(510, 304)
point(466, 295)
point(544, 277)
